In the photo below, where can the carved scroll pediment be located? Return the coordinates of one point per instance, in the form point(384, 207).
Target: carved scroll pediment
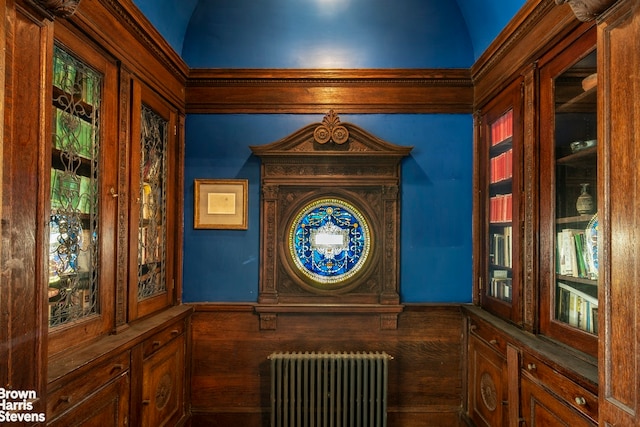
point(331, 130)
point(331, 137)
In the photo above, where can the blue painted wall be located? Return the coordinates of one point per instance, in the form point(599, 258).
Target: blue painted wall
point(170, 17)
point(222, 265)
point(485, 19)
point(437, 177)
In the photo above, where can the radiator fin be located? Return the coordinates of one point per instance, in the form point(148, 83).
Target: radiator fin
point(329, 389)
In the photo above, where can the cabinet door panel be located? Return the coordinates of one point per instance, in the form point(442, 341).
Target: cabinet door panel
point(153, 230)
point(569, 219)
point(163, 385)
point(487, 384)
point(498, 156)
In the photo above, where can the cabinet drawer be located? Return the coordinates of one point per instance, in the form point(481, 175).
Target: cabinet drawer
point(106, 407)
point(571, 392)
point(489, 335)
point(73, 392)
point(161, 338)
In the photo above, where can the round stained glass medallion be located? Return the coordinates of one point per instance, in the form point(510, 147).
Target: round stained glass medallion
point(329, 242)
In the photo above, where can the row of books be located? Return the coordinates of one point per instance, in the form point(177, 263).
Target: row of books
point(577, 305)
point(70, 192)
point(500, 286)
point(500, 208)
point(502, 129)
point(76, 81)
point(501, 166)
point(500, 249)
point(575, 254)
point(73, 135)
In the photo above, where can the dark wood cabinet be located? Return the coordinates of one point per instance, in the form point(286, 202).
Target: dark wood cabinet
point(533, 335)
point(540, 408)
point(498, 186)
point(163, 376)
point(81, 211)
point(514, 376)
point(487, 379)
point(108, 406)
point(153, 193)
point(568, 195)
point(619, 157)
point(73, 392)
point(138, 377)
point(75, 329)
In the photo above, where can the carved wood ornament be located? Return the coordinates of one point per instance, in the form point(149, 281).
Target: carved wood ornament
point(59, 8)
point(330, 223)
point(587, 10)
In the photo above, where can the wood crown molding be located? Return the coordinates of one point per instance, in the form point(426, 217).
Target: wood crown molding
point(539, 24)
point(138, 24)
point(121, 29)
point(317, 90)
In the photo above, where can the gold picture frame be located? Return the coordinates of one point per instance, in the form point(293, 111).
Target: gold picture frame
point(220, 204)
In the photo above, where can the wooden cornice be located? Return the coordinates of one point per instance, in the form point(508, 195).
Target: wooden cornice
point(538, 24)
point(121, 28)
point(318, 90)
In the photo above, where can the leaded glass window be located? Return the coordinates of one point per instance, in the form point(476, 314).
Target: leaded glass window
point(152, 220)
point(73, 221)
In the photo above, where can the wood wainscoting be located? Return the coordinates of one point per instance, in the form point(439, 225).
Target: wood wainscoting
point(230, 371)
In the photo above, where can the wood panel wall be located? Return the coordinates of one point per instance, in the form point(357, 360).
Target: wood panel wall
point(230, 371)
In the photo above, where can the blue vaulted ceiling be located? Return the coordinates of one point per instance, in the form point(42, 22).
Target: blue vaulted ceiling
point(329, 33)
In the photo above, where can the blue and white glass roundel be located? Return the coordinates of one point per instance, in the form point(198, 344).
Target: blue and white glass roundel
point(329, 241)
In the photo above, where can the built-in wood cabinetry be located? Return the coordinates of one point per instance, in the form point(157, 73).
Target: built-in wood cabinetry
point(514, 376)
point(136, 377)
point(618, 142)
point(92, 172)
point(558, 348)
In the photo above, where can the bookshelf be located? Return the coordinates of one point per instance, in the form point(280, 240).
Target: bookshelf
point(498, 152)
point(568, 198)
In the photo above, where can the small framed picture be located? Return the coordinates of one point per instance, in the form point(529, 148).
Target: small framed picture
point(220, 204)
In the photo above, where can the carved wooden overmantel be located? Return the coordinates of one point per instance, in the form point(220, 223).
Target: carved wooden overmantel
point(331, 161)
point(587, 10)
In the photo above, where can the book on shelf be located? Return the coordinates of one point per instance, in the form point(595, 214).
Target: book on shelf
point(573, 254)
point(501, 247)
point(500, 285)
point(502, 128)
point(500, 208)
point(577, 305)
point(501, 166)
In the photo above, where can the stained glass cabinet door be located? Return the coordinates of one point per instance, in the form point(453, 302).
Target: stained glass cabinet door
point(152, 220)
point(79, 284)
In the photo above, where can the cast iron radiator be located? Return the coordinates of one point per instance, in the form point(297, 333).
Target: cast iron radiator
point(329, 389)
